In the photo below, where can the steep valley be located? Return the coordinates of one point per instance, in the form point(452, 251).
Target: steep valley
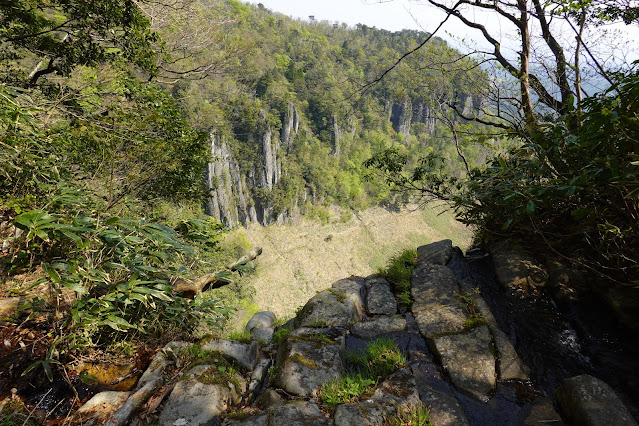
point(302, 259)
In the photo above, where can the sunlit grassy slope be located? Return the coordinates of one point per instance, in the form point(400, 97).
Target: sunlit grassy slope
point(300, 260)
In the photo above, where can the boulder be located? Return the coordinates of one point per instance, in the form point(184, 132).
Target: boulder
point(437, 253)
point(331, 308)
point(379, 297)
point(263, 319)
point(365, 413)
point(195, 401)
point(468, 360)
point(438, 396)
point(399, 390)
point(378, 326)
point(436, 308)
point(588, 401)
point(308, 359)
point(100, 407)
point(298, 413)
point(244, 354)
point(509, 365)
point(516, 267)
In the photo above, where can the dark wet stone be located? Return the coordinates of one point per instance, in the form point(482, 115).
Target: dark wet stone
point(586, 400)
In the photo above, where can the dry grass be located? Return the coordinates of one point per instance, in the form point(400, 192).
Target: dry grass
point(299, 260)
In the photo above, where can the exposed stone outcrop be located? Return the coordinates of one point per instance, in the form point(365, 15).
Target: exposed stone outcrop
point(230, 200)
point(231, 188)
point(195, 402)
point(261, 326)
point(290, 127)
point(336, 136)
point(468, 362)
point(378, 326)
point(401, 116)
point(309, 359)
point(379, 298)
point(245, 354)
point(342, 305)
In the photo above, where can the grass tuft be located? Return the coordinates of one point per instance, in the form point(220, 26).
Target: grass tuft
point(398, 272)
point(418, 416)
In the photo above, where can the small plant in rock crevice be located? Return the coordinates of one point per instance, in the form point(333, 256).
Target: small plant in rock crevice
point(375, 362)
point(416, 416)
point(467, 299)
point(280, 334)
point(398, 272)
point(346, 390)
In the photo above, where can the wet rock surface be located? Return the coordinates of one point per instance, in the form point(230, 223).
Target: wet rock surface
point(586, 400)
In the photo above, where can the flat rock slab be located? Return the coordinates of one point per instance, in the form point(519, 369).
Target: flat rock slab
point(378, 326)
point(516, 267)
point(194, 403)
point(365, 413)
point(308, 359)
point(341, 305)
point(469, 362)
point(586, 400)
point(436, 307)
point(509, 365)
point(399, 390)
point(444, 408)
point(298, 413)
point(244, 354)
point(379, 297)
point(100, 407)
point(436, 253)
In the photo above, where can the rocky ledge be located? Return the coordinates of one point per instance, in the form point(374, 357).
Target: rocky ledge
point(457, 362)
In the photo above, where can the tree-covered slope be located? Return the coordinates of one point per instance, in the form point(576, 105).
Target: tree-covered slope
point(292, 118)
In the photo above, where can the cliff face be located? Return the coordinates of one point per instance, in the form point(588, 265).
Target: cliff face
point(234, 198)
point(229, 201)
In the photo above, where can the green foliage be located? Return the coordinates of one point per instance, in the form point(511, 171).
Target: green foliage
point(65, 34)
point(376, 361)
point(346, 390)
point(571, 185)
point(416, 416)
point(398, 272)
point(280, 334)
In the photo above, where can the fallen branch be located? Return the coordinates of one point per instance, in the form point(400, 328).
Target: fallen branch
point(191, 287)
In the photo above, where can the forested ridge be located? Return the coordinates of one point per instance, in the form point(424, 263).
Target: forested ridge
point(133, 133)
